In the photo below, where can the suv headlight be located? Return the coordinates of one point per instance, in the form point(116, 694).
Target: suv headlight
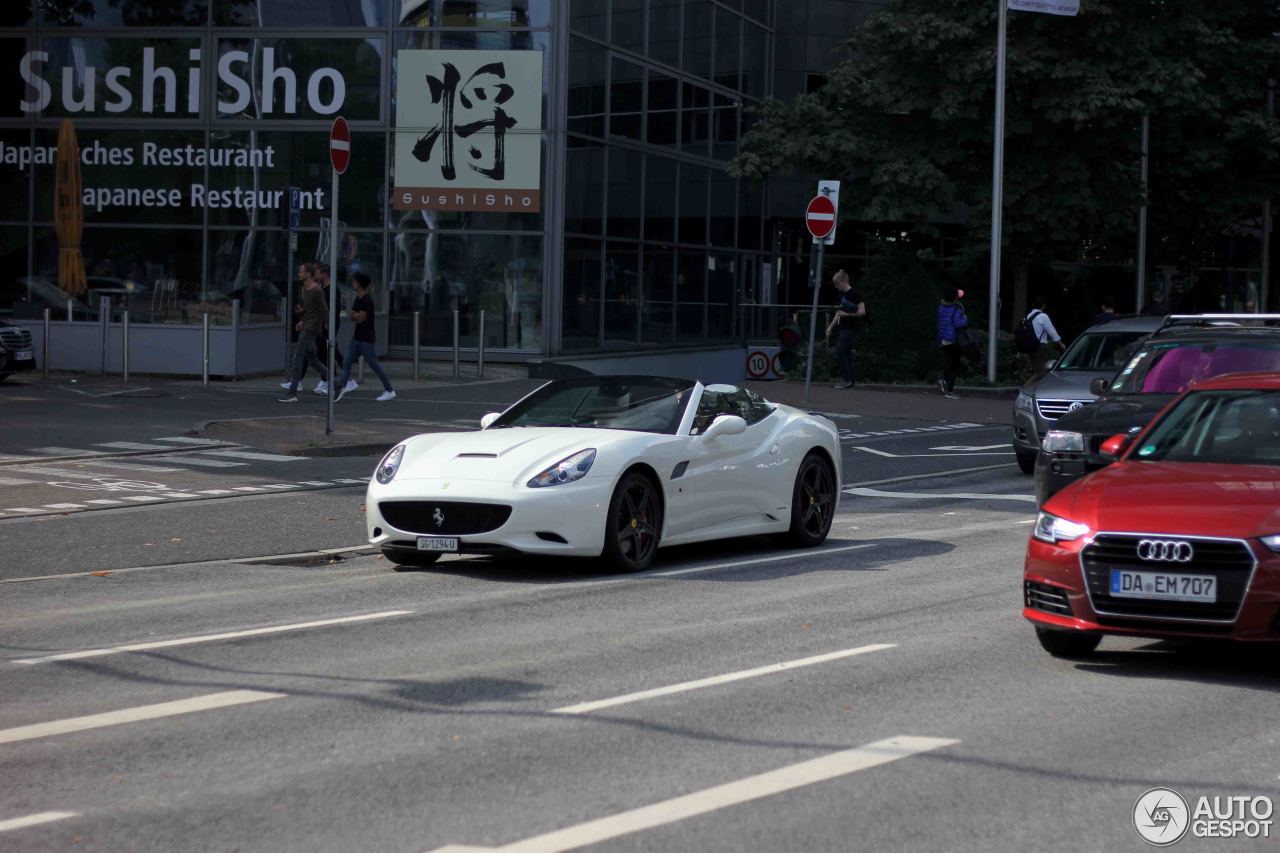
point(389, 465)
point(1051, 529)
point(1272, 542)
point(566, 470)
point(1058, 441)
point(1025, 402)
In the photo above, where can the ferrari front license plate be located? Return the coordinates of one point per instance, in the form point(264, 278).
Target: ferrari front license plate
point(437, 543)
point(1164, 586)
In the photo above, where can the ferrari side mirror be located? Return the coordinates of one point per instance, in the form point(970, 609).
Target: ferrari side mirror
point(725, 425)
point(488, 419)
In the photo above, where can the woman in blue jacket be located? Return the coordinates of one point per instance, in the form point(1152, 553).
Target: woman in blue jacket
point(951, 320)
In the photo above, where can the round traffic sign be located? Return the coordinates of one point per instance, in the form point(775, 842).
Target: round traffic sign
point(757, 365)
point(820, 217)
point(340, 145)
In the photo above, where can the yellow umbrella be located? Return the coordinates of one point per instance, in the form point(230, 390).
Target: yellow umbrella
point(68, 211)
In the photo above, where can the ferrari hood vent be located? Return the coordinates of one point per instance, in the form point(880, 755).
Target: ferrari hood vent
point(477, 456)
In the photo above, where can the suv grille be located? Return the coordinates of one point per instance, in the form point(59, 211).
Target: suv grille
point(1051, 410)
point(457, 519)
point(1040, 596)
point(15, 338)
point(1229, 561)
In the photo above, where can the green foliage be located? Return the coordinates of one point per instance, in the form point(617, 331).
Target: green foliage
point(907, 121)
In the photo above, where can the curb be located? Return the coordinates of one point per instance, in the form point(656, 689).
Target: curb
point(979, 391)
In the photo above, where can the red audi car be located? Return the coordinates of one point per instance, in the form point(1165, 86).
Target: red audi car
point(1179, 537)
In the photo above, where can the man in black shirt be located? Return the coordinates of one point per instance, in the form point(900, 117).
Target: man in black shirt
point(362, 341)
point(851, 309)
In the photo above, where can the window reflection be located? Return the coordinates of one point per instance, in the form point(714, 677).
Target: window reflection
point(474, 13)
point(621, 295)
point(584, 187)
point(583, 261)
point(300, 13)
point(117, 13)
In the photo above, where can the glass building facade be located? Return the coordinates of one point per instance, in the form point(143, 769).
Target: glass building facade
point(196, 118)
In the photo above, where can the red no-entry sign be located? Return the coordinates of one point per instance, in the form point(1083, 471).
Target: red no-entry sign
point(820, 217)
point(340, 145)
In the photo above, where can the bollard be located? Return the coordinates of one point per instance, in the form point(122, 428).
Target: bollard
point(124, 358)
point(360, 373)
point(47, 330)
point(417, 332)
point(480, 350)
point(205, 334)
point(457, 345)
point(70, 315)
point(104, 325)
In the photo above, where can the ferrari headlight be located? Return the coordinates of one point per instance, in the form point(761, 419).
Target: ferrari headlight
point(1058, 441)
point(1051, 529)
point(1025, 402)
point(389, 465)
point(1272, 542)
point(567, 470)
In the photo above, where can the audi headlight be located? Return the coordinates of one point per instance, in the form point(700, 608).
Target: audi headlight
point(1058, 441)
point(1272, 542)
point(566, 470)
point(1051, 529)
point(389, 465)
point(1025, 402)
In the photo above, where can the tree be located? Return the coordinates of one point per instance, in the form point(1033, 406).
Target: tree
point(907, 121)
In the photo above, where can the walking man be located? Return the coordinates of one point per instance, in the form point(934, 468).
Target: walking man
point(851, 308)
point(310, 327)
point(362, 342)
point(951, 319)
point(1047, 338)
point(330, 336)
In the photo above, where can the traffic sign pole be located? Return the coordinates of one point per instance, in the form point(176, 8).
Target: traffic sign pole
point(339, 159)
point(813, 319)
point(820, 219)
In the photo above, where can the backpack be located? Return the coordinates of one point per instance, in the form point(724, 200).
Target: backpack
point(1025, 339)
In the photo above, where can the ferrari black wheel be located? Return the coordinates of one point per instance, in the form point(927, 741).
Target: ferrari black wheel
point(813, 502)
point(634, 523)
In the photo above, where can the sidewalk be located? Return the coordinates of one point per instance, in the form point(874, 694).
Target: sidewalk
point(916, 403)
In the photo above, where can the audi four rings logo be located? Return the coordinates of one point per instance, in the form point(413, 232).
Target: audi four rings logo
point(1165, 551)
point(438, 517)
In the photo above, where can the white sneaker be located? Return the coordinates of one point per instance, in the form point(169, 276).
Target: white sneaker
point(322, 387)
point(351, 386)
point(386, 395)
point(284, 385)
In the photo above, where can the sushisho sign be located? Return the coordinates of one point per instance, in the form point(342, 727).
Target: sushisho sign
point(468, 130)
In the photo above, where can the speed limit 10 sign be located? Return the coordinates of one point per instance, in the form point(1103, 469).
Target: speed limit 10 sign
point(758, 364)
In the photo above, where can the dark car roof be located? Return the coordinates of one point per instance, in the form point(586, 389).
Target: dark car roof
point(1239, 382)
point(1137, 323)
point(1215, 333)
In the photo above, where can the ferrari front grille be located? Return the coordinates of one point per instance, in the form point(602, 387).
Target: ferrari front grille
point(444, 518)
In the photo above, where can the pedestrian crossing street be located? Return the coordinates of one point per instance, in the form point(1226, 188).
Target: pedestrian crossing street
point(110, 474)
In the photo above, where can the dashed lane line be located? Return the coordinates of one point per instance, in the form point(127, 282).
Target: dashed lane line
point(212, 638)
point(34, 820)
point(789, 778)
point(715, 680)
point(207, 702)
point(924, 496)
point(736, 563)
point(256, 456)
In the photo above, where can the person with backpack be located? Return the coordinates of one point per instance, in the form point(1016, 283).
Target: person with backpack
point(951, 322)
point(1035, 336)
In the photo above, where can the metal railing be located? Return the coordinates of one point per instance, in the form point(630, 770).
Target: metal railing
point(761, 321)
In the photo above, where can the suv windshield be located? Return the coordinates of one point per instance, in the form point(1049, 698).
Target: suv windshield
point(642, 404)
point(1167, 367)
point(1240, 427)
point(1100, 351)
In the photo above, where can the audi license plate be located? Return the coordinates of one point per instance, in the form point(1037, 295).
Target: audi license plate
point(1163, 586)
point(22, 355)
point(437, 543)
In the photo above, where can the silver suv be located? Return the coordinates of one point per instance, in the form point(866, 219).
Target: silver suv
point(1099, 352)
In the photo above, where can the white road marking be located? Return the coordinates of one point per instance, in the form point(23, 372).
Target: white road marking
point(182, 439)
point(736, 563)
point(130, 445)
point(889, 455)
point(67, 451)
point(34, 820)
point(314, 483)
point(211, 638)
point(179, 495)
point(279, 486)
point(6, 481)
point(788, 778)
point(970, 448)
point(968, 496)
point(142, 498)
point(132, 715)
point(930, 476)
point(130, 466)
point(684, 687)
point(105, 502)
point(64, 506)
point(23, 509)
point(348, 480)
point(247, 454)
point(247, 488)
point(217, 492)
point(61, 472)
point(198, 462)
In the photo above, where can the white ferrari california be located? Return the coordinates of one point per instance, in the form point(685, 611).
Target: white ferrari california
point(609, 465)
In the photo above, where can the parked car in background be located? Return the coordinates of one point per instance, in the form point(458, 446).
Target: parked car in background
point(16, 352)
point(1186, 349)
point(1179, 537)
point(1097, 354)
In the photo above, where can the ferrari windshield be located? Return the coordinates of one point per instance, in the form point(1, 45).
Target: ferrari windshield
point(1241, 427)
point(1167, 367)
point(639, 403)
point(1100, 351)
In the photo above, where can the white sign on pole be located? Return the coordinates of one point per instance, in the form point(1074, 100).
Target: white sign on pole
point(1048, 7)
point(830, 189)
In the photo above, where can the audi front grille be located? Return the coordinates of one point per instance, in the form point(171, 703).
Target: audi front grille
point(1229, 561)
